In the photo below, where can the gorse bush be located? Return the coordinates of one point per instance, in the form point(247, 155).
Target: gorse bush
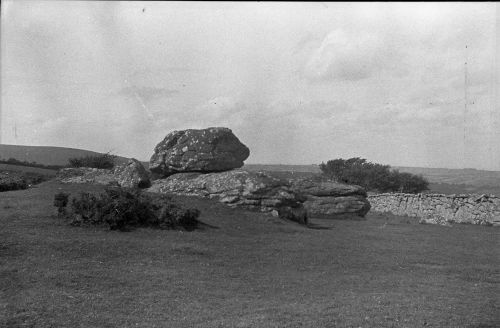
point(372, 176)
point(122, 209)
point(61, 201)
point(12, 181)
point(101, 161)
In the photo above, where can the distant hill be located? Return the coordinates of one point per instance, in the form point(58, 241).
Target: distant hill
point(46, 155)
point(471, 177)
point(434, 175)
point(458, 181)
point(283, 168)
point(445, 181)
point(19, 168)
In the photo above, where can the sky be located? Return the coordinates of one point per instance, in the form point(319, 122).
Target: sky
point(299, 83)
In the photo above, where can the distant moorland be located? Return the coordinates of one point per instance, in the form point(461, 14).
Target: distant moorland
point(45, 155)
point(445, 181)
point(442, 180)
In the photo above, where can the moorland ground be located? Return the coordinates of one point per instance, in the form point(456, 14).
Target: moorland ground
point(242, 269)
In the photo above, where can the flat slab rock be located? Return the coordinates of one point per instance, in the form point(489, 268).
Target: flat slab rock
point(330, 199)
point(332, 207)
point(198, 150)
point(328, 188)
point(253, 190)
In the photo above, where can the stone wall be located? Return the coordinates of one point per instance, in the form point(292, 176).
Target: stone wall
point(440, 209)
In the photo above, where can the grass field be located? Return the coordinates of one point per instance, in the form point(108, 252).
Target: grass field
point(27, 169)
point(47, 155)
point(243, 269)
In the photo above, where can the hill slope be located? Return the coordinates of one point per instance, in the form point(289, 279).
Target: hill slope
point(46, 155)
point(456, 176)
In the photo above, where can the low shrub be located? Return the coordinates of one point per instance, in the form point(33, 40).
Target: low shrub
point(11, 181)
point(61, 201)
point(14, 180)
point(122, 209)
point(101, 161)
point(373, 176)
point(33, 178)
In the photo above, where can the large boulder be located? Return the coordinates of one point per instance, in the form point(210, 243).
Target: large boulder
point(206, 150)
point(237, 188)
point(132, 175)
point(330, 199)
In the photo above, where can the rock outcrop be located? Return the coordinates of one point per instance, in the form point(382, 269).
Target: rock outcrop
point(202, 163)
point(207, 150)
point(130, 175)
point(440, 209)
point(237, 188)
point(87, 175)
point(329, 199)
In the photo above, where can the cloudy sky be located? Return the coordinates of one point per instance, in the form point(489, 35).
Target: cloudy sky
point(298, 83)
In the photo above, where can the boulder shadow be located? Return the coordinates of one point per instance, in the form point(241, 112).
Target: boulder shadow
point(202, 226)
point(316, 226)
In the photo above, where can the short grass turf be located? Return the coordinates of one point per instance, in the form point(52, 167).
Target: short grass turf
point(243, 269)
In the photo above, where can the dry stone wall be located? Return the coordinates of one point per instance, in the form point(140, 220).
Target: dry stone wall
point(440, 209)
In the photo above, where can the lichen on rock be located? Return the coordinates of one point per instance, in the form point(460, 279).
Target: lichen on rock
point(252, 190)
point(213, 149)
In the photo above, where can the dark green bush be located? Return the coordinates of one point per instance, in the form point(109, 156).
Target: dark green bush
point(16, 180)
point(372, 176)
point(33, 178)
point(12, 181)
point(121, 209)
point(61, 201)
point(101, 161)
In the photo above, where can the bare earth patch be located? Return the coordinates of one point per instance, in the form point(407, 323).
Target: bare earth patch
point(243, 269)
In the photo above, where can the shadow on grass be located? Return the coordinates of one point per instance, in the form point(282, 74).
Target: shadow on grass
point(205, 226)
point(318, 226)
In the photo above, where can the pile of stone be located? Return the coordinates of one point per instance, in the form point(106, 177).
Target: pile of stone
point(332, 200)
point(129, 175)
point(237, 188)
point(205, 162)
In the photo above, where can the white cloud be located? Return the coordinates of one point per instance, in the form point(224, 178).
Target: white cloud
point(348, 56)
point(299, 83)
